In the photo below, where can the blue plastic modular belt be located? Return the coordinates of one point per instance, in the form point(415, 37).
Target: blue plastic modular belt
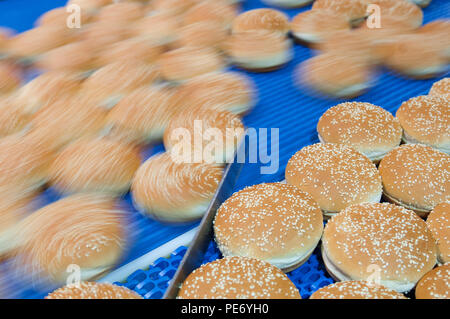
point(282, 105)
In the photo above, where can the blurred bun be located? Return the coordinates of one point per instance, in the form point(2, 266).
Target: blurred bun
point(353, 10)
point(202, 34)
point(121, 12)
point(238, 278)
point(12, 119)
point(211, 11)
point(356, 290)
point(335, 175)
point(287, 3)
point(261, 19)
point(97, 165)
point(364, 127)
point(275, 222)
point(158, 28)
point(379, 239)
point(416, 176)
point(10, 77)
point(426, 120)
point(438, 222)
point(93, 290)
point(84, 230)
point(174, 192)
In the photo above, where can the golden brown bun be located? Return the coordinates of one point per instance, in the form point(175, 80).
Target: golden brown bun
point(438, 221)
point(173, 7)
point(12, 119)
point(172, 191)
point(85, 230)
point(259, 50)
point(400, 9)
point(97, 165)
point(275, 222)
point(356, 290)
point(143, 115)
point(60, 16)
point(435, 284)
point(261, 19)
point(441, 87)
point(188, 62)
point(202, 34)
point(352, 10)
point(93, 290)
point(121, 12)
point(211, 11)
point(90, 5)
point(10, 77)
point(104, 33)
point(29, 44)
point(72, 57)
point(45, 89)
point(219, 133)
point(238, 278)
point(365, 127)
point(416, 177)
point(438, 31)
point(158, 28)
point(134, 49)
point(335, 175)
point(228, 91)
point(67, 119)
point(315, 26)
point(24, 162)
point(426, 119)
point(109, 84)
point(378, 240)
point(335, 75)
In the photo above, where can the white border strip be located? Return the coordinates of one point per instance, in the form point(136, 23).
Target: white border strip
point(146, 260)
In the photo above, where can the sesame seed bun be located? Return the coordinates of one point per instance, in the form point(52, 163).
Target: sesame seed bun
point(259, 50)
point(287, 3)
point(356, 290)
point(426, 120)
point(441, 87)
point(275, 222)
point(335, 175)
point(174, 192)
point(95, 165)
point(188, 62)
point(438, 222)
point(67, 119)
point(238, 278)
point(85, 230)
point(142, 116)
point(44, 89)
point(261, 19)
point(352, 10)
point(365, 127)
point(435, 284)
point(401, 9)
point(335, 75)
point(378, 240)
point(109, 84)
point(416, 176)
point(309, 26)
point(93, 290)
point(211, 135)
point(228, 91)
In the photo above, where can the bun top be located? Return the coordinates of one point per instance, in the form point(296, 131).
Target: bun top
point(426, 119)
point(271, 221)
point(438, 222)
point(238, 278)
point(93, 290)
point(336, 176)
point(261, 19)
point(435, 284)
point(356, 290)
point(257, 43)
point(351, 9)
point(417, 175)
point(367, 237)
point(441, 87)
point(365, 127)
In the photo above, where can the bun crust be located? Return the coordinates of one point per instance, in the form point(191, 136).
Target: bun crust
point(381, 237)
point(261, 19)
point(336, 176)
point(238, 278)
point(438, 222)
point(93, 290)
point(274, 222)
point(356, 290)
point(435, 284)
point(416, 176)
point(441, 87)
